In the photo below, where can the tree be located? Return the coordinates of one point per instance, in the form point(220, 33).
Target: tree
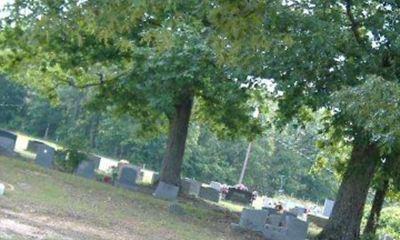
point(12, 102)
point(153, 60)
point(317, 48)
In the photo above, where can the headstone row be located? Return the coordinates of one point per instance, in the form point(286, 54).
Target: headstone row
point(273, 225)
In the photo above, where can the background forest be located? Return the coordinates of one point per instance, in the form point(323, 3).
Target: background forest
point(288, 154)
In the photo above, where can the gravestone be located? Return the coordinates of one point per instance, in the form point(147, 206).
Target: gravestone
point(318, 220)
point(127, 177)
point(33, 146)
point(45, 156)
point(209, 193)
point(155, 178)
point(216, 185)
point(238, 195)
point(166, 191)
point(298, 211)
point(7, 143)
point(253, 220)
point(296, 228)
point(190, 187)
point(2, 189)
point(285, 227)
point(328, 207)
point(387, 237)
point(87, 168)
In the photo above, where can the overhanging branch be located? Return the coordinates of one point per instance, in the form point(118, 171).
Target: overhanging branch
point(70, 82)
point(355, 25)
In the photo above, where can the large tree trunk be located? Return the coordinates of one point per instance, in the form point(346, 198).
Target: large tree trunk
point(345, 221)
point(178, 130)
point(377, 204)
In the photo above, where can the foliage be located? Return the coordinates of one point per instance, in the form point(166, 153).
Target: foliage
point(389, 223)
point(11, 101)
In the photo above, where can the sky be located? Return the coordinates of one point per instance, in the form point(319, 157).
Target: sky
point(2, 4)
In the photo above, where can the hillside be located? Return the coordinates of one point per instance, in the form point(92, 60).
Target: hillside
point(42, 204)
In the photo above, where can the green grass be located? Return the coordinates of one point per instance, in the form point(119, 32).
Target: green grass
point(66, 196)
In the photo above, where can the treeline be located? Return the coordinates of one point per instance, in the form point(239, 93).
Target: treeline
point(277, 157)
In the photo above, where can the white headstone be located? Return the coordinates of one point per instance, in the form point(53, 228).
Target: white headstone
point(216, 185)
point(387, 237)
point(328, 206)
point(2, 187)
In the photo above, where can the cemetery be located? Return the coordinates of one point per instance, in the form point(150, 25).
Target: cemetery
point(193, 120)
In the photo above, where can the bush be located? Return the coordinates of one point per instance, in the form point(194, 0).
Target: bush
point(390, 222)
point(68, 160)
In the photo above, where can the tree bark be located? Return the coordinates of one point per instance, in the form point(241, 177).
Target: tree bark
point(178, 130)
point(94, 130)
point(377, 204)
point(345, 221)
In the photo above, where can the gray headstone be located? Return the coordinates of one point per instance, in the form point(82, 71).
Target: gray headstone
point(275, 233)
point(88, 167)
point(328, 207)
point(166, 191)
point(296, 228)
point(155, 178)
point(288, 228)
point(210, 194)
point(298, 211)
point(275, 219)
point(33, 146)
point(319, 220)
point(190, 187)
point(240, 196)
point(7, 143)
point(45, 156)
point(253, 220)
point(127, 177)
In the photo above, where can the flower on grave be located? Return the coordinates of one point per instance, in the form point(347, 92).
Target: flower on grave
point(224, 189)
point(107, 179)
point(241, 187)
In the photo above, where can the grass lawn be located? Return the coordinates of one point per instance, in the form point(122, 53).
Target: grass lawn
point(45, 204)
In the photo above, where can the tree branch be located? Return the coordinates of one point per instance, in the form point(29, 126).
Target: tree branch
point(355, 26)
point(70, 82)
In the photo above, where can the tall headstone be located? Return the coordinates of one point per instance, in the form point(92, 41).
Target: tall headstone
point(87, 168)
point(45, 156)
point(210, 194)
point(166, 191)
point(127, 177)
point(328, 207)
point(190, 187)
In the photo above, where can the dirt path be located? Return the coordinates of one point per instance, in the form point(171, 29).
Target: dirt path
point(38, 226)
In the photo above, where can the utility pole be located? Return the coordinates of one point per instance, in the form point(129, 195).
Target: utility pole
point(246, 161)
